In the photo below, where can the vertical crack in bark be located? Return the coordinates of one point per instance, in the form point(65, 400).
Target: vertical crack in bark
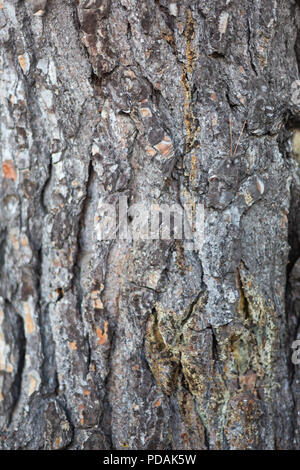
point(20, 341)
point(252, 63)
point(292, 298)
point(81, 226)
point(191, 122)
point(244, 304)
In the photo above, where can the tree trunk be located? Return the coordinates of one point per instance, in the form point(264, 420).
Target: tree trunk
point(147, 344)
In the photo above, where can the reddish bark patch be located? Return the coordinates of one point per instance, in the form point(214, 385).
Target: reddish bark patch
point(9, 170)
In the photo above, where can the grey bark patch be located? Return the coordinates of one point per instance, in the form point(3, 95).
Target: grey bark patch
point(143, 344)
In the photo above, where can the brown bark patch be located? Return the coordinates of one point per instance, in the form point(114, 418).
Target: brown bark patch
point(9, 170)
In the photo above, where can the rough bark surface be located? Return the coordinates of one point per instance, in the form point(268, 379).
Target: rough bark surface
point(144, 344)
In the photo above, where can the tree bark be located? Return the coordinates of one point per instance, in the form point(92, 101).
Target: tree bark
point(144, 344)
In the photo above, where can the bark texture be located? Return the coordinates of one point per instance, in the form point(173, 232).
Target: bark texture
point(143, 344)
